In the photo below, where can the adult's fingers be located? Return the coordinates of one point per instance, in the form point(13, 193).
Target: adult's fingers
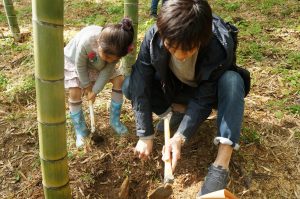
point(163, 150)
point(175, 158)
point(143, 156)
point(146, 153)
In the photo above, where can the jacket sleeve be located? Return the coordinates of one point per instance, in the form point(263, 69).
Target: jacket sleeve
point(103, 78)
point(140, 85)
point(81, 65)
point(199, 108)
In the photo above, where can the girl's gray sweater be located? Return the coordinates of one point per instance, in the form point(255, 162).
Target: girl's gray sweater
point(82, 50)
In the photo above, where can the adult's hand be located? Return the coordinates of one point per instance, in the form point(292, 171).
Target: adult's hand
point(143, 148)
point(172, 150)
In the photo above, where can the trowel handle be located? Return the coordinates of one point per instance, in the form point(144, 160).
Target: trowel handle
point(168, 174)
point(92, 116)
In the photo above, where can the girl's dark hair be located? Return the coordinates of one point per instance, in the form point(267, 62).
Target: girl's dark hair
point(185, 23)
point(116, 39)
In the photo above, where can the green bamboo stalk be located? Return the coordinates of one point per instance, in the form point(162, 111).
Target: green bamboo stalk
point(47, 19)
point(131, 10)
point(12, 19)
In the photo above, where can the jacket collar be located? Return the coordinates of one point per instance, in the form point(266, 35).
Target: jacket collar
point(160, 56)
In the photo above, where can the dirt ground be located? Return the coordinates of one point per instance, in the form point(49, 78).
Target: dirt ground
point(268, 169)
point(267, 165)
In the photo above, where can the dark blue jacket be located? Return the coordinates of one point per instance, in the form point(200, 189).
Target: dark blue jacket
point(212, 61)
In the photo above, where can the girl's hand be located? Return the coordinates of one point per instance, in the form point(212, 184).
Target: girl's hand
point(91, 96)
point(87, 89)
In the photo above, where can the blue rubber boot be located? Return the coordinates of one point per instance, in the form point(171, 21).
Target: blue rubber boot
point(114, 120)
point(81, 130)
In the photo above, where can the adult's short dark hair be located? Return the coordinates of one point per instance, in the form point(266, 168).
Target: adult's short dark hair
point(116, 39)
point(185, 23)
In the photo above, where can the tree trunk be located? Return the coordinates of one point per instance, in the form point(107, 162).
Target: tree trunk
point(47, 19)
point(131, 10)
point(12, 19)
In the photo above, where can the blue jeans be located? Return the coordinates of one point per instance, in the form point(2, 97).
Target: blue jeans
point(231, 92)
point(229, 100)
point(154, 4)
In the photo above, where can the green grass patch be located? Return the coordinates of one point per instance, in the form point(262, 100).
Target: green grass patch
point(249, 28)
point(293, 59)
point(145, 25)
point(295, 109)
point(243, 25)
point(293, 81)
point(288, 10)
point(278, 103)
point(21, 47)
point(232, 6)
point(250, 135)
point(290, 77)
point(278, 106)
point(88, 178)
point(3, 81)
point(251, 50)
point(117, 9)
point(93, 13)
point(254, 29)
point(283, 106)
point(297, 134)
point(78, 5)
point(24, 12)
point(267, 6)
point(28, 85)
point(279, 114)
point(96, 19)
point(2, 17)
point(14, 116)
point(113, 13)
point(6, 47)
point(17, 176)
point(229, 6)
point(21, 91)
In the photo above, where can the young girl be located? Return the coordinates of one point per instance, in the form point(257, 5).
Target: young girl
point(90, 62)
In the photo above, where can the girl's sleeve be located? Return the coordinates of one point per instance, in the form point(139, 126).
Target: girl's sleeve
point(103, 78)
point(81, 62)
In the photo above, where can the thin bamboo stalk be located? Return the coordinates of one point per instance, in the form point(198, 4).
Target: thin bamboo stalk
point(12, 19)
point(131, 10)
point(47, 19)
